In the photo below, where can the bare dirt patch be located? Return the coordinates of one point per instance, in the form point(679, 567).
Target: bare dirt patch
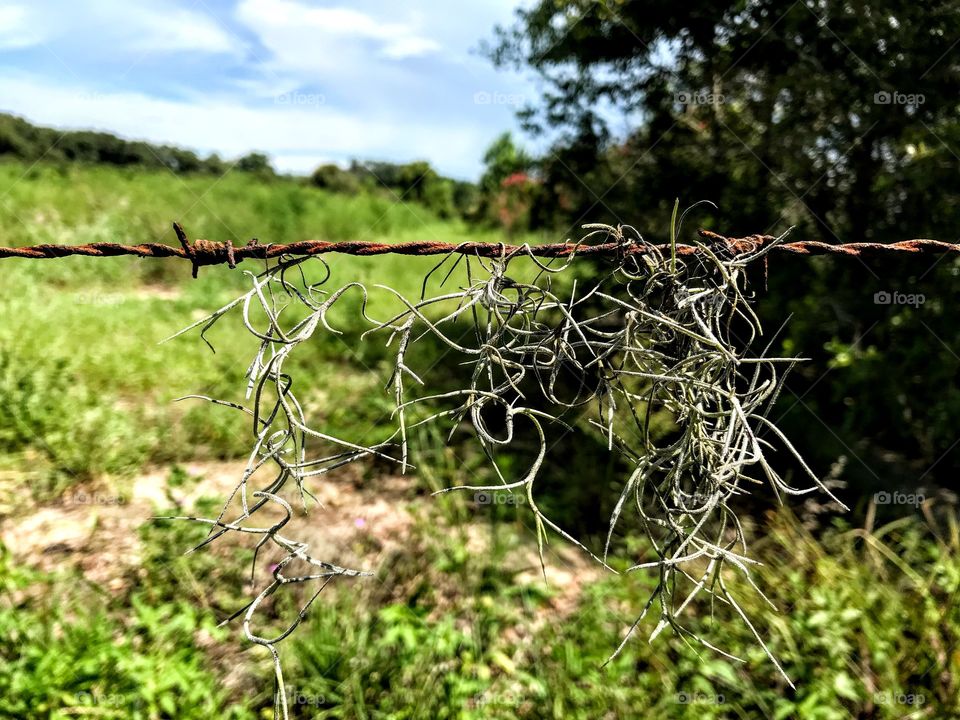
point(96, 530)
point(360, 525)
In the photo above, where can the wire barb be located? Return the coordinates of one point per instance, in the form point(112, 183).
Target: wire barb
point(208, 252)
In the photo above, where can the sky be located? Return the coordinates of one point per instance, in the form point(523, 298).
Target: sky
point(305, 81)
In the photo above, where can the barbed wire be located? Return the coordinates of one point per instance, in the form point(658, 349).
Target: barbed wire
point(202, 252)
point(647, 341)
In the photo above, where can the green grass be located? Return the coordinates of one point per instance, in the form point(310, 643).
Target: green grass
point(66, 651)
point(445, 633)
point(86, 394)
point(87, 390)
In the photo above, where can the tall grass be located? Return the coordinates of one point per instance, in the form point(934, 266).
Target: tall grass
point(868, 627)
point(85, 388)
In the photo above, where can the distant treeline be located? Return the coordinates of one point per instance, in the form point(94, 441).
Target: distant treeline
point(414, 182)
point(410, 182)
point(26, 141)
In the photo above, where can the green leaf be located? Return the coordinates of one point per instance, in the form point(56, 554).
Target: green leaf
point(845, 687)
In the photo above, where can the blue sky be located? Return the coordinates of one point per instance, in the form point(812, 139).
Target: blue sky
point(306, 81)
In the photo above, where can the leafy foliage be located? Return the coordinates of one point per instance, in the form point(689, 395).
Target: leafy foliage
point(836, 118)
point(57, 663)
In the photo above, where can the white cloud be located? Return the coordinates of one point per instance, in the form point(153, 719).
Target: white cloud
point(113, 26)
point(152, 29)
point(405, 47)
point(327, 39)
point(15, 30)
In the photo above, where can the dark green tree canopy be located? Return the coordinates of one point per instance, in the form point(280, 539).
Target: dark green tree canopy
point(833, 115)
point(837, 118)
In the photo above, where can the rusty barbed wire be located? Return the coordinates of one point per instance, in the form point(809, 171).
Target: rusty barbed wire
point(611, 357)
point(202, 252)
point(651, 338)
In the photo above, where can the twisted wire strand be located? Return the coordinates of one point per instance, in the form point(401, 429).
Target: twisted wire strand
point(210, 252)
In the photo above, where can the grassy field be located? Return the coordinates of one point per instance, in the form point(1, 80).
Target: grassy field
point(111, 621)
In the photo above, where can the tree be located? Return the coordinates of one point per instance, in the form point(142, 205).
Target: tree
point(214, 165)
point(411, 182)
point(507, 189)
point(501, 160)
point(255, 163)
point(838, 118)
point(335, 179)
point(808, 107)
